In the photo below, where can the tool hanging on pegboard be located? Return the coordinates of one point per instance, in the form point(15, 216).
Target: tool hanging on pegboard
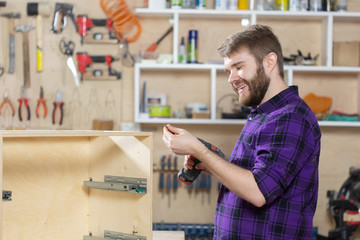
point(11, 22)
point(2, 70)
point(25, 29)
point(39, 10)
point(58, 110)
point(67, 48)
point(62, 12)
point(24, 102)
point(7, 112)
point(125, 23)
point(85, 61)
point(87, 29)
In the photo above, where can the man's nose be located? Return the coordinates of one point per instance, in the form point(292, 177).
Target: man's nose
point(233, 76)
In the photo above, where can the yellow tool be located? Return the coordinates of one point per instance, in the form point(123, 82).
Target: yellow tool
point(38, 10)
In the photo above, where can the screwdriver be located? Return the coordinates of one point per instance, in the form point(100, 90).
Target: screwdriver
point(168, 179)
point(175, 181)
point(154, 46)
point(161, 181)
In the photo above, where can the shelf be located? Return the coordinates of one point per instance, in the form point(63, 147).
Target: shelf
point(327, 20)
point(191, 121)
point(338, 124)
point(220, 67)
point(213, 13)
point(233, 122)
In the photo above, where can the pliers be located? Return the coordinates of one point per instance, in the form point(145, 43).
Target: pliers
point(7, 101)
point(24, 100)
point(41, 101)
point(58, 104)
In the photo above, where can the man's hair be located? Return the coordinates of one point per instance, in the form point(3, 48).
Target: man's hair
point(259, 40)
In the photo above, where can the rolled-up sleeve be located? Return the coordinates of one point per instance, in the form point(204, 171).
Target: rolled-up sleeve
point(284, 145)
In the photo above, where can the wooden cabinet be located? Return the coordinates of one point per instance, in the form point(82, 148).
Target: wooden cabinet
point(312, 32)
point(49, 173)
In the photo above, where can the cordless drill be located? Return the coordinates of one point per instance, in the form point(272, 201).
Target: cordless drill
point(188, 176)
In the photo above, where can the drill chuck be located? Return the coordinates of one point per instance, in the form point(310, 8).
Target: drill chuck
point(188, 176)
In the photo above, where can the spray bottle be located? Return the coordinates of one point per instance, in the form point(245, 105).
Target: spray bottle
point(182, 52)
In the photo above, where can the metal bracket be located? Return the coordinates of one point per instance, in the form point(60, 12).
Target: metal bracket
point(124, 184)
point(6, 195)
point(114, 235)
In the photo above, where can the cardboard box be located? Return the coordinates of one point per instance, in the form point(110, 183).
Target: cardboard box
point(48, 174)
point(346, 54)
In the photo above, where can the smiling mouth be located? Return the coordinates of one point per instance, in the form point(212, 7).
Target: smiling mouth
point(242, 87)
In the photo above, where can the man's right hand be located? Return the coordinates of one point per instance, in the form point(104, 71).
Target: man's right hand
point(189, 164)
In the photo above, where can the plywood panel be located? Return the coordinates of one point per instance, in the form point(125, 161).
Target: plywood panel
point(45, 176)
point(339, 86)
point(45, 171)
point(118, 211)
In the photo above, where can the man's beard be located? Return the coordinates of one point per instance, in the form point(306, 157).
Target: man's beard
point(257, 87)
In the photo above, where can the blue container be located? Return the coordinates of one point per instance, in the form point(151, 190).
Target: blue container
point(192, 46)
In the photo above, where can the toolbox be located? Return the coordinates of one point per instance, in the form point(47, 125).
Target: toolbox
point(76, 185)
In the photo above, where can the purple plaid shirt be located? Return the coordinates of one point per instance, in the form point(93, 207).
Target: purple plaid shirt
point(280, 145)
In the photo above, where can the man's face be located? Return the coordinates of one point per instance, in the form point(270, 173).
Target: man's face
point(246, 79)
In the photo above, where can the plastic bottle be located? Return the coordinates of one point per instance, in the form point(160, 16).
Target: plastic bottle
point(341, 5)
point(294, 5)
point(176, 4)
point(243, 5)
point(282, 5)
point(192, 46)
point(303, 5)
point(182, 52)
point(233, 4)
point(259, 5)
point(220, 4)
point(269, 5)
point(315, 5)
point(188, 3)
point(200, 4)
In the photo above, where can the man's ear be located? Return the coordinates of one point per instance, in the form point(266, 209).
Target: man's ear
point(270, 62)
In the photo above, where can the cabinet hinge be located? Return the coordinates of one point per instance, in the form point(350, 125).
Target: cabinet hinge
point(115, 236)
point(116, 183)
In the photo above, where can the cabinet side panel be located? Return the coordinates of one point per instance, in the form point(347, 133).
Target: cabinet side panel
point(129, 213)
point(1, 187)
point(46, 178)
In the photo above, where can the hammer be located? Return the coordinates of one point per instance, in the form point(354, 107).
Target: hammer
point(11, 17)
point(38, 10)
point(25, 29)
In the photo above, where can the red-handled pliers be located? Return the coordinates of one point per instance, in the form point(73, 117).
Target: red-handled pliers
point(58, 104)
point(41, 101)
point(24, 100)
point(8, 102)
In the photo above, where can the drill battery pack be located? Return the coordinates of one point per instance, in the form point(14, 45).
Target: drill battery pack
point(188, 176)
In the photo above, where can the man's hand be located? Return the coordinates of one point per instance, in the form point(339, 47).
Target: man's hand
point(189, 164)
point(181, 142)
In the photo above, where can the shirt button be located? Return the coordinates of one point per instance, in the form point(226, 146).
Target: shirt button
point(250, 118)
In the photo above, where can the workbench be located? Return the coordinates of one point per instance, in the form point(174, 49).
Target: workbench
point(166, 235)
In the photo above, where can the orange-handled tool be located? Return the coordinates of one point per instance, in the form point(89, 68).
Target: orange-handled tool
point(154, 46)
point(41, 102)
